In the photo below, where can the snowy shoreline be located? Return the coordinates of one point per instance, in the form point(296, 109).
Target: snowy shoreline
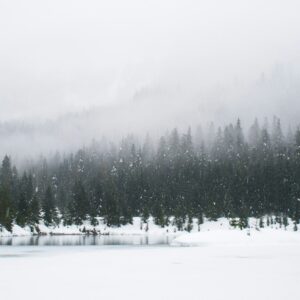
point(220, 230)
point(136, 228)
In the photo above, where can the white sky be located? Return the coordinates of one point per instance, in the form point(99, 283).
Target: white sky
point(65, 55)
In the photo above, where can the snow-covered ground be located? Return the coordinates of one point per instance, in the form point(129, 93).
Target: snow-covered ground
point(139, 228)
point(221, 233)
point(213, 271)
point(220, 263)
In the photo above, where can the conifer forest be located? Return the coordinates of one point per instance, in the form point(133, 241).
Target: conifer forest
point(229, 172)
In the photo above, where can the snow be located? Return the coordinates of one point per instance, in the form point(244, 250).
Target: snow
point(210, 272)
point(225, 263)
point(136, 229)
point(17, 231)
point(129, 229)
point(220, 232)
point(235, 237)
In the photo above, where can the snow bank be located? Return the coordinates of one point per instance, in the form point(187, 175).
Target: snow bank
point(16, 231)
point(221, 232)
point(222, 226)
point(233, 237)
point(136, 228)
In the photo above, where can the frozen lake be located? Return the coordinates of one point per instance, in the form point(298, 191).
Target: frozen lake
point(139, 270)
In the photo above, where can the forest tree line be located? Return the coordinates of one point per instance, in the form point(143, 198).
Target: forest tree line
point(229, 174)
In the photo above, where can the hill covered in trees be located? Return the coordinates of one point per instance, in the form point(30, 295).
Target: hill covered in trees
point(228, 174)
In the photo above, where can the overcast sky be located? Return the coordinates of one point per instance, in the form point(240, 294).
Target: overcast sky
point(60, 56)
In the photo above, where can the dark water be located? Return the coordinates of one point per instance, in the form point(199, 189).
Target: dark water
point(78, 240)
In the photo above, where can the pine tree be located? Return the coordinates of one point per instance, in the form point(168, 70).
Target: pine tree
point(6, 201)
point(34, 211)
point(24, 200)
point(5, 207)
point(49, 209)
point(261, 223)
point(79, 204)
point(189, 226)
point(254, 134)
point(111, 204)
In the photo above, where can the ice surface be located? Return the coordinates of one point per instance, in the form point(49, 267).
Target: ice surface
point(231, 270)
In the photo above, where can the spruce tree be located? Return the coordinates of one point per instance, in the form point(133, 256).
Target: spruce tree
point(49, 209)
point(79, 204)
point(6, 195)
point(6, 218)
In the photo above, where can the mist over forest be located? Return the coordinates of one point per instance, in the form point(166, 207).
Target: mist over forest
point(94, 70)
point(155, 110)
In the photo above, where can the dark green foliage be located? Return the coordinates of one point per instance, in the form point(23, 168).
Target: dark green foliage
point(7, 206)
point(145, 215)
point(6, 218)
point(243, 223)
point(224, 175)
point(22, 210)
point(49, 209)
point(111, 207)
point(285, 221)
point(34, 211)
point(261, 223)
point(234, 222)
point(79, 205)
point(189, 226)
point(295, 227)
point(26, 206)
point(159, 216)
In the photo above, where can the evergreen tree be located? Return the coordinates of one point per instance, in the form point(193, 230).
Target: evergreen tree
point(5, 208)
point(34, 211)
point(49, 209)
point(79, 206)
point(6, 201)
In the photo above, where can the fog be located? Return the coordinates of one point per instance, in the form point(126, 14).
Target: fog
point(71, 71)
